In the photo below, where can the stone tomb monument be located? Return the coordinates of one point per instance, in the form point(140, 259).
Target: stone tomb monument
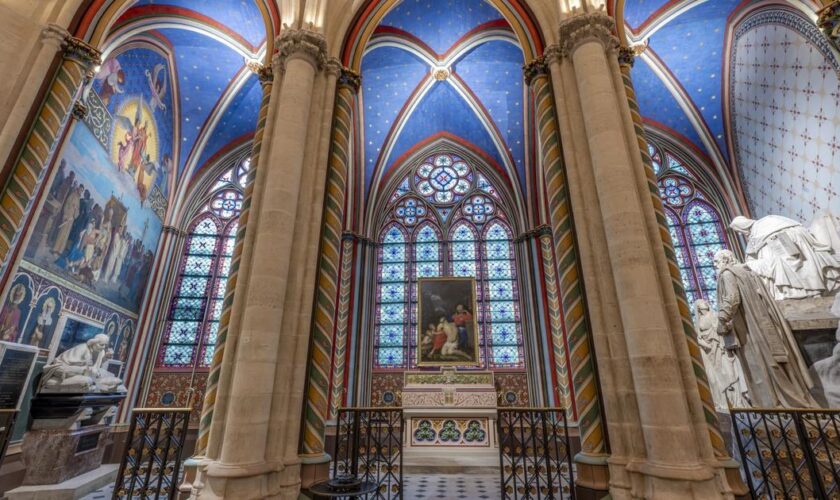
point(67, 436)
point(450, 420)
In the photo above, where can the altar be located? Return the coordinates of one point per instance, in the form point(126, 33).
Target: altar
point(450, 419)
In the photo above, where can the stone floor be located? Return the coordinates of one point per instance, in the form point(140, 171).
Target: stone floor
point(417, 486)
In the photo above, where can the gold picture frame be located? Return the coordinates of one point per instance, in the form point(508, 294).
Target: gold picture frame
point(447, 335)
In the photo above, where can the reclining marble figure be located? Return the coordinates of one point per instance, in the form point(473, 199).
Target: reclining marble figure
point(80, 370)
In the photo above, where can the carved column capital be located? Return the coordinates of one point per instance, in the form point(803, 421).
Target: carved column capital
point(78, 50)
point(553, 54)
point(590, 26)
point(333, 67)
point(304, 44)
point(350, 78)
point(264, 72)
point(534, 69)
point(626, 56)
point(828, 21)
point(54, 35)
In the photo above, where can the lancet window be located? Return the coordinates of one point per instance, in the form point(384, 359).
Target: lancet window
point(189, 336)
point(446, 219)
point(694, 223)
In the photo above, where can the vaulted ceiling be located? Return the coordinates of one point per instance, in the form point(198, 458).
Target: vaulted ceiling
point(442, 68)
point(210, 43)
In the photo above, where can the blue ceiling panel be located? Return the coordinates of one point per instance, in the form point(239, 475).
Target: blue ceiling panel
point(443, 110)
point(638, 11)
point(493, 71)
point(240, 16)
point(204, 67)
point(657, 103)
point(390, 76)
point(440, 23)
point(691, 47)
point(239, 119)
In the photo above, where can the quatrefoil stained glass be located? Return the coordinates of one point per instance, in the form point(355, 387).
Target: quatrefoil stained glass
point(443, 179)
point(409, 211)
point(675, 191)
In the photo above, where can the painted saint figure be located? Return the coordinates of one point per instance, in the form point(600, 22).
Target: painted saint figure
point(10, 316)
point(752, 324)
point(43, 323)
point(462, 318)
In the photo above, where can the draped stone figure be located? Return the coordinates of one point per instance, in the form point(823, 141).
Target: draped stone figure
point(752, 324)
point(788, 257)
point(722, 365)
point(81, 369)
point(827, 370)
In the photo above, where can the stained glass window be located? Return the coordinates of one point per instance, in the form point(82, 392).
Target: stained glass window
point(444, 220)
point(694, 224)
point(189, 336)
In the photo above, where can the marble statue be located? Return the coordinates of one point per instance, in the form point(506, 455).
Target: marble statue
point(752, 325)
point(788, 257)
point(726, 380)
point(828, 370)
point(81, 369)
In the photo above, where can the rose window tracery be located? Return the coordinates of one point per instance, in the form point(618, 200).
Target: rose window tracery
point(443, 179)
point(676, 191)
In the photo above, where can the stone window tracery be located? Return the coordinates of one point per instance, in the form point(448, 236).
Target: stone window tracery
point(444, 221)
point(189, 335)
point(694, 224)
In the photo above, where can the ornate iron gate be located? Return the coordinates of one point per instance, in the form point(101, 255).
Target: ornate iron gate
point(789, 453)
point(369, 445)
point(534, 452)
point(152, 457)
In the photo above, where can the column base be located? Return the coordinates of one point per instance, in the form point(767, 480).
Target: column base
point(275, 480)
point(733, 476)
point(314, 468)
point(593, 476)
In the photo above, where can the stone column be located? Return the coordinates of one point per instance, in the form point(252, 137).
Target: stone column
point(246, 461)
point(670, 456)
point(328, 276)
point(569, 285)
point(30, 168)
point(214, 378)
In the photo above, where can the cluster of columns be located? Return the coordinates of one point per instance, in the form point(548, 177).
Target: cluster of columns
point(663, 438)
point(251, 421)
point(269, 395)
point(280, 339)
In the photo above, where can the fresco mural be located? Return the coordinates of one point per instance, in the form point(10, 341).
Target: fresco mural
point(102, 218)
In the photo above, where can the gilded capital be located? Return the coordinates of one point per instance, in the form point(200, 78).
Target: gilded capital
point(77, 50)
point(829, 22)
point(350, 78)
point(308, 45)
point(626, 56)
point(591, 26)
point(263, 71)
point(534, 69)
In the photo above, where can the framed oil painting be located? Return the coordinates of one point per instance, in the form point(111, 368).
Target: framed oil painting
point(447, 328)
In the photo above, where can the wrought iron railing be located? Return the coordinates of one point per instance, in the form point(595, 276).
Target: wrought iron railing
point(789, 453)
point(535, 455)
point(369, 445)
point(152, 458)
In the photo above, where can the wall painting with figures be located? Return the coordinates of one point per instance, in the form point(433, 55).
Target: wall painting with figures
point(447, 327)
point(101, 221)
point(92, 246)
